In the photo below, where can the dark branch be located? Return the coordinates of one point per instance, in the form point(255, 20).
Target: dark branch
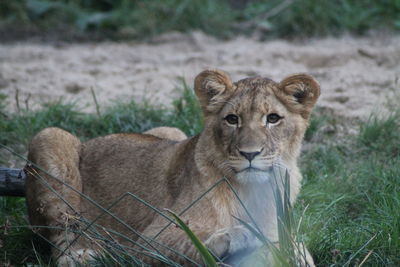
point(12, 182)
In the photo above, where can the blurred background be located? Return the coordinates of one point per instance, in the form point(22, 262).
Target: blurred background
point(139, 19)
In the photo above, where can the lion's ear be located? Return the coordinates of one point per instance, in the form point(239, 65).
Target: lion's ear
point(211, 87)
point(300, 93)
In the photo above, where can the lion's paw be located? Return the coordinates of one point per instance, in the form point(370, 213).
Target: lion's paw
point(232, 240)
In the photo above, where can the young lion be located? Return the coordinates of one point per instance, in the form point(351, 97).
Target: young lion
point(253, 128)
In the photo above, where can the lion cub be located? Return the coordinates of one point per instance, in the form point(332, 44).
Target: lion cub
point(252, 128)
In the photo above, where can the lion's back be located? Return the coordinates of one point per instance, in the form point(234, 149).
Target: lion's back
point(120, 164)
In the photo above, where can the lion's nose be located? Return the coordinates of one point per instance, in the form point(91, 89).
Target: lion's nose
point(249, 155)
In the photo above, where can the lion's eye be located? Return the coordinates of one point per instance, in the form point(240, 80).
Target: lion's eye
point(273, 118)
point(232, 119)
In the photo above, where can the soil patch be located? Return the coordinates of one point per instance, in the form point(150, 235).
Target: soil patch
point(356, 74)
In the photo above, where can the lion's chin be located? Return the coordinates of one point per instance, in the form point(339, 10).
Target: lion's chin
point(254, 175)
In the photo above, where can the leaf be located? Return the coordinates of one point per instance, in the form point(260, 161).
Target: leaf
point(397, 24)
point(40, 7)
point(95, 19)
point(205, 254)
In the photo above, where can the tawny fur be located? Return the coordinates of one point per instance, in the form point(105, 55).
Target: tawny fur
point(168, 170)
point(167, 133)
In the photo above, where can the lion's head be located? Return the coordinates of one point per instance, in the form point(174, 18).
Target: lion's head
point(255, 122)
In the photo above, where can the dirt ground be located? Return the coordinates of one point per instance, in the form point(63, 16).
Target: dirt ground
point(356, 74)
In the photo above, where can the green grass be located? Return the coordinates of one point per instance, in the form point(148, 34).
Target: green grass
point(319, 18)
point(16, 243)
point(18, 128)
point(142, 19)
point(351, 187)
point(120, 18)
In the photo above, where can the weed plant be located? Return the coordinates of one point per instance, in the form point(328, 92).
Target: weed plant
point(350, 196)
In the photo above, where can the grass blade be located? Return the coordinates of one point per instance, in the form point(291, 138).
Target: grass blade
point(205, 254)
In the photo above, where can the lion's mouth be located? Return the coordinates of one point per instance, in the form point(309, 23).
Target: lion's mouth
point(256, 165)
point(251, 169)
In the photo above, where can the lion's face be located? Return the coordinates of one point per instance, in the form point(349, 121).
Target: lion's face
point(253, 127)
point(255, 123)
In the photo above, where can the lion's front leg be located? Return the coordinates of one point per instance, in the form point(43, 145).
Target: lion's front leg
point(52, 193)
point(172, 243)
point(222, 243)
